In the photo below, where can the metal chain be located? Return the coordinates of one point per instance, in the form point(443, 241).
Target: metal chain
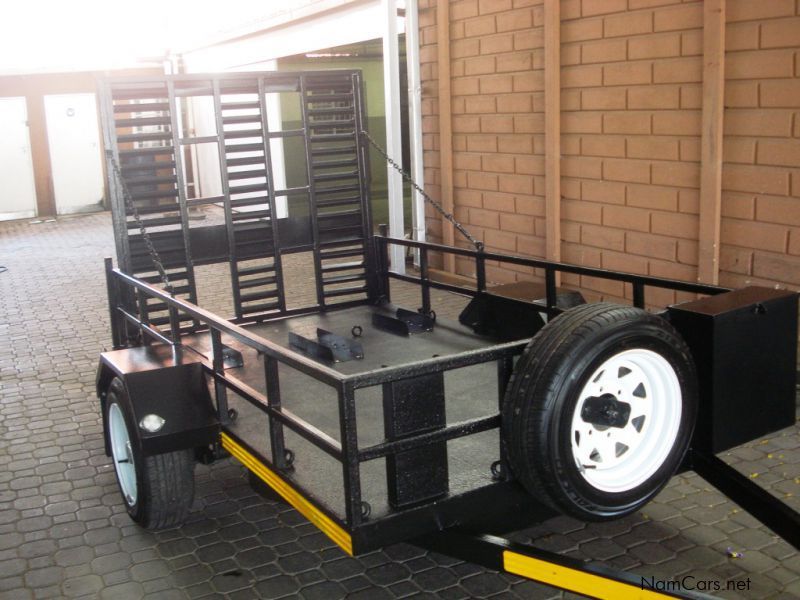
point(151, 249)
point(477, 243)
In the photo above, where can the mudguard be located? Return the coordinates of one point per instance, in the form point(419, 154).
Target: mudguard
point(170, 383)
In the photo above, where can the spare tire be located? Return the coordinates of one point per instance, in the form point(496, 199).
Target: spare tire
point(600, 410)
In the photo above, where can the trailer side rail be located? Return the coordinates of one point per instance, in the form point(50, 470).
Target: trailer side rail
point(550, 268)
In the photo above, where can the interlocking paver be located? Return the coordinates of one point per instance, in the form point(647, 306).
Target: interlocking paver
point(65, 533)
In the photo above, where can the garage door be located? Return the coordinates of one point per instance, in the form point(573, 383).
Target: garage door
point(18, 196)
point(75, 155)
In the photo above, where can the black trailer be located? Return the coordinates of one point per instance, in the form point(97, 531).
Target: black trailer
point(380, 422)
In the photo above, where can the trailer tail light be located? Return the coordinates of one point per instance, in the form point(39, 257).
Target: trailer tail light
point(152, 423)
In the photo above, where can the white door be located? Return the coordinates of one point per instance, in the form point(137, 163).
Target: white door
point(18, 197)
point(75, 156)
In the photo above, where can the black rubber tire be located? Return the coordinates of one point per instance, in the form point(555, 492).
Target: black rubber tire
point(544, 389)
point(165, 482)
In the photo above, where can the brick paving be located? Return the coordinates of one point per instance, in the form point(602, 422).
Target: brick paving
point(64, 532)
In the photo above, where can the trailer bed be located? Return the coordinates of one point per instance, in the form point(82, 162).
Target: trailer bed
point(471, 393)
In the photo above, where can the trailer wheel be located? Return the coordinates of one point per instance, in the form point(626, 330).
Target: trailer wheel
point(157, 490)
point(600, 410)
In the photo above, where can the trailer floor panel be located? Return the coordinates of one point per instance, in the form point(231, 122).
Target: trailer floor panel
point(471, 392)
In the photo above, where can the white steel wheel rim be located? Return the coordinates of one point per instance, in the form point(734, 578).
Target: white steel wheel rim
point(122, 454)
point(618, 459)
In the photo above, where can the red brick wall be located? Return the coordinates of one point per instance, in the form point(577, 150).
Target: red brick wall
point(631, 85)
point(761, 174)
point(498, 123)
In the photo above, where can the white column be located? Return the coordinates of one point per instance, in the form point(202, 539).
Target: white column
point(415, 119)
point(273, 102)
point(391, 86)
point(275, 123)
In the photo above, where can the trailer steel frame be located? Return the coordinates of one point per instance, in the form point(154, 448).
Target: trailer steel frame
point(137, 336)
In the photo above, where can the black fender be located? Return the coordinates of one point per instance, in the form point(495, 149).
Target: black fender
point(170, 384)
